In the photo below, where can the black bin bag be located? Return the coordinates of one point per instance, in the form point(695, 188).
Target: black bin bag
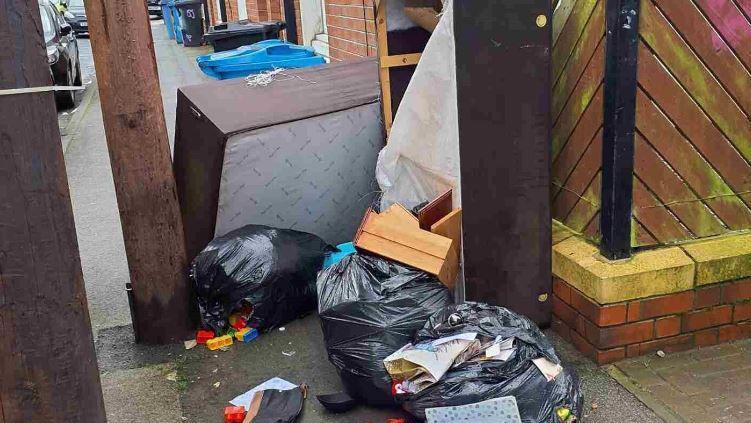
point(475, 381)
point(369, 308)
point(273, 270)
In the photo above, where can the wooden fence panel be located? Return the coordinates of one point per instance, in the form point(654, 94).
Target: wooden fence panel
point(578, 61)
point(693, 144)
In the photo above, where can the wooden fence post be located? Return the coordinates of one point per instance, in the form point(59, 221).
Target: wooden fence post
point(503, 99)
point(142, 168)
point(48, 368)
point(622, 43)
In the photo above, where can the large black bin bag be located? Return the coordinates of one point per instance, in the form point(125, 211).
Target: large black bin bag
point(274, 270)
point(471, 382)
point(369, 308)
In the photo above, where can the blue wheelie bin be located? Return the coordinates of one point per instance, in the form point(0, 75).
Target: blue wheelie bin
point(167, 17)
point(175, 17)
point(256, 58)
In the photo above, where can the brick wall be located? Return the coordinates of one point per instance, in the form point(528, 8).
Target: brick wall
point(697, 318)
point(351, 29)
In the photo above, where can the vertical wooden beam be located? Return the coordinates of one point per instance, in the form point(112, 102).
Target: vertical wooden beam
point(48, 369)
point(142, 168)
point(503, 100)
point(384, 73)
point(622, 44)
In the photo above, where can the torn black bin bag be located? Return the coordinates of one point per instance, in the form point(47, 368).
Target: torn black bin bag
point(474, 381)
point(274, 270)
point(273, 406)
point(369, 308)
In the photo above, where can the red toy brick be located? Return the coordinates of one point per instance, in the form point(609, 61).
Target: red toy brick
point(204, 335)
point(234, 414)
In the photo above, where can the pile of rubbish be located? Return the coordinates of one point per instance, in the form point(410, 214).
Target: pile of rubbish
point(389, 322)
point(254, 279)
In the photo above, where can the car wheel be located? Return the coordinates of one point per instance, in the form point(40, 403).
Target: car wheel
point(66, 99)
point(79, 78)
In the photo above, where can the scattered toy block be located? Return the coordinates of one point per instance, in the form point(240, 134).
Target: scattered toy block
point(219, 342)
point(237, 321)
point(234, 414)
point(239, 334)
point(248, 336)
point(204, 335)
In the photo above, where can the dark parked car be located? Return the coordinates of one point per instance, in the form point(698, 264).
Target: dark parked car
point(155, 7)
point(62, 53)
point(75, 14)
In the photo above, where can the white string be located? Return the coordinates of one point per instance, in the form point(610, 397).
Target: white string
point(265, 78)
point(15, 91)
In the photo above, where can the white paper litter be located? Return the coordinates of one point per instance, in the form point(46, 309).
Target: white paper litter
point(468, 336)
point(501, 349)
point(547, 367)
point(273, 383)
point(416, 367)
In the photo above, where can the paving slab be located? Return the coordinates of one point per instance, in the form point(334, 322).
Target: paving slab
point(706, 385)
point(141, 395)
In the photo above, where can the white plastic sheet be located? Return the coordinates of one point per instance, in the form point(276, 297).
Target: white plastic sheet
point(421, 159)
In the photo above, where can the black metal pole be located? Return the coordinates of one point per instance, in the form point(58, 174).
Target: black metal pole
point(290, 19)
point(622, 18)
point(223, 10)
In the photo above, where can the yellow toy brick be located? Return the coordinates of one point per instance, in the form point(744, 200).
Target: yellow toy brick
point(241, 333)
point(216, 343)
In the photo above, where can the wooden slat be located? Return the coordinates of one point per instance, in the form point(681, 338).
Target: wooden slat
point(383, 51)
point(563, 171)
point(400, 60)
point(586, 207)
point(712, 49)
point(399, 252)
point(732, 25)
point(579, 180)
point(689, 164)
point(566, 156)
point(579, 101)
point(642, 237)
point(669, 188)
point(590, 47)
point(570, 34)
point(692, 121)
point(592, 231)
point(694, 76)
point(656, 218)
point(560, 16)
point(746, 7)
